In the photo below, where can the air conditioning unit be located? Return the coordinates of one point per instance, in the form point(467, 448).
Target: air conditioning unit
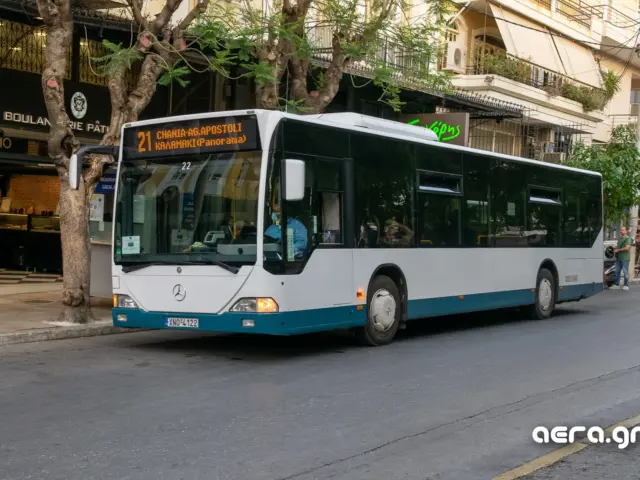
point(455, 58)
point(555, 157)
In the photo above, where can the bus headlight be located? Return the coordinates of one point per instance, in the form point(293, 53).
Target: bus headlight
point(255, 305)
point(124, 301)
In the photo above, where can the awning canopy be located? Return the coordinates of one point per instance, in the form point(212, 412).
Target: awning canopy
point(527, 40)
point(578, 62)
point(534, 43)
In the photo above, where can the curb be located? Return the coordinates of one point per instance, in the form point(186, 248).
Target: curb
point(64, 333)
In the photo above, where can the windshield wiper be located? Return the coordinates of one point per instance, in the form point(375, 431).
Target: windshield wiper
point(140, 266)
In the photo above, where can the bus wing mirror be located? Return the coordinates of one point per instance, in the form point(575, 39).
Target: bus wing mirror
point(295, 177)
point(77, 160)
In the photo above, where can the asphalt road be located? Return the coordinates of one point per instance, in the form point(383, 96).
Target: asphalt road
point(455, 398)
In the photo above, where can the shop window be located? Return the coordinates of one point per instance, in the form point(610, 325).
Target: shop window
point(22, 47)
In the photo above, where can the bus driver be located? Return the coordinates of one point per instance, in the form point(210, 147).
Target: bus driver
point(298, 228)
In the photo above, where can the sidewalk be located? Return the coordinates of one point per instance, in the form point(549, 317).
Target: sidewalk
point(28, 313)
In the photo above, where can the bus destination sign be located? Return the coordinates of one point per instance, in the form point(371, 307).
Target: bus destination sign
point(206, 135)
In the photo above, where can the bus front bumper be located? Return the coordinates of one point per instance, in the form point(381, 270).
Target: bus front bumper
point(282, 323)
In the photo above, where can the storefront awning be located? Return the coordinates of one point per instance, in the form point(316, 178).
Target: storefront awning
point(578, 62)
point(527, 40)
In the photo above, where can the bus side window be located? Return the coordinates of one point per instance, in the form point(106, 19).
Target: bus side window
point(439, 200)
point(476, 201)
point(330, 228)
point(508, 195)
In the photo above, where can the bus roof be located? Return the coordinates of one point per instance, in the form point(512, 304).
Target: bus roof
point(363, 123)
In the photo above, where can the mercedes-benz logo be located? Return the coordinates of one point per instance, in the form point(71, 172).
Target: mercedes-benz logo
point(179, 292)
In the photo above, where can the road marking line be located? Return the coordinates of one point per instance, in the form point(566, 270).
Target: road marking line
point(628, 423)
point(557, 455)
point(541, 462)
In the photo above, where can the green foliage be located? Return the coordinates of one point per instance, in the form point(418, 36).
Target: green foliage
point(619, 164)
point(593, 98)
point(117, 60)
point(610, 83)
point(507, 67)
point(266, 43)
point(175, 73)
point(347, 34)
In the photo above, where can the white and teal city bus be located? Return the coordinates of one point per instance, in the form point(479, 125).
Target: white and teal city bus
point(266, 222)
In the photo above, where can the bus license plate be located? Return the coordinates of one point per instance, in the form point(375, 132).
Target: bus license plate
point(182, 322)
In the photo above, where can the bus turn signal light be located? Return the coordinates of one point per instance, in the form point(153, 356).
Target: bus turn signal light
point(360, 294)
point(266, 305)
point(255, 305)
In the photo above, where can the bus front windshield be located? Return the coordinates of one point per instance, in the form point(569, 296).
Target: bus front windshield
point(188, 209)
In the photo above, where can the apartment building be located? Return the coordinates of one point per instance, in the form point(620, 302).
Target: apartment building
point(548, 55)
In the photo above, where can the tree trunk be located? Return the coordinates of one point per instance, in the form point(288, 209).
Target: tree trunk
point(76, 253)
point(316, 101)
point(74, 205)
point(267, 96)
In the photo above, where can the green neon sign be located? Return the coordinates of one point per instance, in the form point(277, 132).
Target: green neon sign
point(443, 130)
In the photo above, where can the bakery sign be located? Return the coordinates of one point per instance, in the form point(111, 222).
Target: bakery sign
point(77, 109)
point(88, 106)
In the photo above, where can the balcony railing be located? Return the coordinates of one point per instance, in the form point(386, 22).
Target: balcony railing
point(490, 60)
point(544, 3)
point(402, 61)
point(615, 17)
point(580, 12)
point(576, 11)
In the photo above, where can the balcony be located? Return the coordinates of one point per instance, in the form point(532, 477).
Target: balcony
point(407, 66)
point(618, 28)
point(576, 11)
point(491, 60)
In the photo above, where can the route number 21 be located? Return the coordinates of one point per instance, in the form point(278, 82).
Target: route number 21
point(144, 144)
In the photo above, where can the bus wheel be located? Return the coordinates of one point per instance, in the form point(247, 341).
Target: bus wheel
point(383, 312)
point(545, 300)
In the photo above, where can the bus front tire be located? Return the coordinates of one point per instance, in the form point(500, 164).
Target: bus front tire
point(383, 313)
point(545, 295)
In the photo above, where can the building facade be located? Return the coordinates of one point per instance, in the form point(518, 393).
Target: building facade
point(548, 56)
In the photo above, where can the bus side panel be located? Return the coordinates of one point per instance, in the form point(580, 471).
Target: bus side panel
point(457, 280)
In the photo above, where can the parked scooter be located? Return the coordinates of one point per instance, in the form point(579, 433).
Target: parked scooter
point(610, 276)
point(609, 267)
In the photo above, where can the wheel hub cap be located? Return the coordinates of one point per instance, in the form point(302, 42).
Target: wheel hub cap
point(383, 310)
point(545, 294)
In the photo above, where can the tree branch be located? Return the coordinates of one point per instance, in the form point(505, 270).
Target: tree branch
point(145, 89)
point(164, 17)
point(136, 8)
point(192, 15)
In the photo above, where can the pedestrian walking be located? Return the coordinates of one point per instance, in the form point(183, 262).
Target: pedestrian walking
point(623, 255)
